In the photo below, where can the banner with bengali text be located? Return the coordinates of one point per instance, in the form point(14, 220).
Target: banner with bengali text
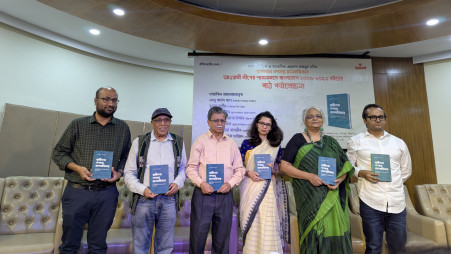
point(244, 87)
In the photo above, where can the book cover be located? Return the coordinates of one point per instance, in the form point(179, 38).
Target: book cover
point(102, 162)
point(159, 179)
point(380, 164)
point(327, 169)
point(215, 175)
point(339, 110)
point(261, 167)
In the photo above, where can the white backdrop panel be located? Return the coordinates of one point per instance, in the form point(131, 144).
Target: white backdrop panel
point(284, 86)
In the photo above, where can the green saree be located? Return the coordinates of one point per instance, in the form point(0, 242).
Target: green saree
point(322, 213)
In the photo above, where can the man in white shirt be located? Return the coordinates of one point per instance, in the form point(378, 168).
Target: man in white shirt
point(160, 150)
point(382, 204)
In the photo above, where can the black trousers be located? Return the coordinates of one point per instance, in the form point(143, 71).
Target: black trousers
point(215, 209)
point(97, 208)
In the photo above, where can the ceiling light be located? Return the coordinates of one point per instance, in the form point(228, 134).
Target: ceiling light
point(119, 12)
point(263, 42)
point(432, 22)
point(94, 31)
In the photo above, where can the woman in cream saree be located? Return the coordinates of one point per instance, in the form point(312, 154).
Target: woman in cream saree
point(263, 216)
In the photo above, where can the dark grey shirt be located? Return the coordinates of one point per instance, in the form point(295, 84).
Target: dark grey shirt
point(85, 135)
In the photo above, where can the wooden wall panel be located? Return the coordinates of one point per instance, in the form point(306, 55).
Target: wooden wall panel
point(400, 88)
point(381, 92)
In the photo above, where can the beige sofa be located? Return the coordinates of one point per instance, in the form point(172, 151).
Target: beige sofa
point(29, 212)
point(434, 200)
point(31, 218)
point(422, 231)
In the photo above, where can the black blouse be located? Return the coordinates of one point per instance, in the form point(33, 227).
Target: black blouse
point(291, 150)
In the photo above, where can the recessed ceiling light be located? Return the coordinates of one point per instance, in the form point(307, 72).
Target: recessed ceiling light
point(432, 22)
point(119, 12)
point(263, 42)
point(94, 31)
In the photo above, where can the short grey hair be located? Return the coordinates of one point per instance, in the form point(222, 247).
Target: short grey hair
point(216, 110)
point(304, 113)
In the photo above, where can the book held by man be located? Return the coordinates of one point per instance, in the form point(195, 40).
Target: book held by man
point(215, 175)
point(261, 165)
point(327, 169)
point(159, 179)
point(380, 164)
point(102, 162)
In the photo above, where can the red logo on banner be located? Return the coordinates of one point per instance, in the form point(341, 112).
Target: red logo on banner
point(360, 67)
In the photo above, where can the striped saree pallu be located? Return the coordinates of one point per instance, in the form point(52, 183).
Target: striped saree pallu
point(322, 213)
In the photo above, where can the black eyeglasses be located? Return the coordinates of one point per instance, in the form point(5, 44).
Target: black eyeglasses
point(108, 99)
point(380, 118)
point(265, 124)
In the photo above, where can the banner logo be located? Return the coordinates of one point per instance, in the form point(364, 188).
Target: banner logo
point(360, 67)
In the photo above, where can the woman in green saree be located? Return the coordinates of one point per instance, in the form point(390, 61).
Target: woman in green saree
point(322, 208)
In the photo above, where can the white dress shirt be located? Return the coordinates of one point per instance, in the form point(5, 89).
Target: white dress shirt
point(159, 153)
point(382, 196)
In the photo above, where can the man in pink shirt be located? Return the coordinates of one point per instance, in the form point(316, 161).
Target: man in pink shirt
point(207, 205)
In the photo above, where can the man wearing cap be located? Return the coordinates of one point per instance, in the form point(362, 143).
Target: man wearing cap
point(88, 200)
point(163, 150)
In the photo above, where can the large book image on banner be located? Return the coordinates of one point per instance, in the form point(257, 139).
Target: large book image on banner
point(102, 164)
point(261, 165)
point(215, 175)
point(380, 164)
point(339, 110)
point(159, 179)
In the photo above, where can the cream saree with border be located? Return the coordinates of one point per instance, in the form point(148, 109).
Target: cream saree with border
point(259, 215)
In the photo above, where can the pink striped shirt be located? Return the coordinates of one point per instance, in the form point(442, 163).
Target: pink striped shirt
point(208, 150)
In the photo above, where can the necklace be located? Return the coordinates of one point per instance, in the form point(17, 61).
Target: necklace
point(320, 143)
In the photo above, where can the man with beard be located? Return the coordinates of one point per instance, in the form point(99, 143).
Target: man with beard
point(382, 199)
point(88, 200)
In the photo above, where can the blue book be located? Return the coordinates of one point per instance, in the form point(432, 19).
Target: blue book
point(215, 175)
point(102, 163)
point(159, 179)
point(339, 110)
point(327, 169)
point(261, 167)
point(380, 164)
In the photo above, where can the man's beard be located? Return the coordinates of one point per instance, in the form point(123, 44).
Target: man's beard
point(105, 114)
